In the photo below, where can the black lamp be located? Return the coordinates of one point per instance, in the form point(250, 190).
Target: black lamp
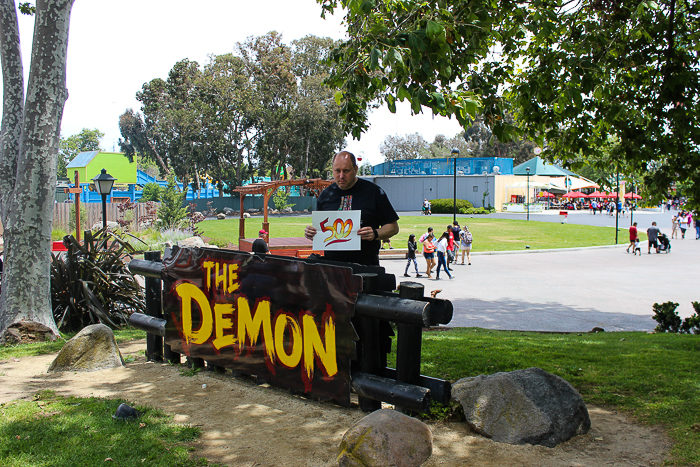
point(103, 184)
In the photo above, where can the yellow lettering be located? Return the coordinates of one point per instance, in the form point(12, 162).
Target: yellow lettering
point(293, 359)
point(220, 279)
point(232, 278)
point(313, 345)
point(187, 293)
point(208, 265)
point(223, 340)
point(249, 326)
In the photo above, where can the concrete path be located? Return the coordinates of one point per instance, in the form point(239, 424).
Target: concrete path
point(569, 290)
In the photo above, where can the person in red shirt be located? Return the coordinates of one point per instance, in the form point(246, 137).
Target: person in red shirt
point(450, 247)
point(633, 237)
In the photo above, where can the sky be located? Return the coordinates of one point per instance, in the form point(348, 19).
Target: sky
point(115, 47)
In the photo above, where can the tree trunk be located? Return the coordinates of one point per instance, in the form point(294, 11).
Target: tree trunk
point(29, 164)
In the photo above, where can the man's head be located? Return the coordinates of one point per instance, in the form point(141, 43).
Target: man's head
point(455, 223)
point(653, 223)
point(344, 170)
point(635, 224)
point(262, 233)
point(430, 229)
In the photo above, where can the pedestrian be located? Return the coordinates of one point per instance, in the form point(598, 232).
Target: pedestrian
point(348, 192)
point(429, 254)
point(465, 238)
point(426, 207)
point(697, 227)
point(684, 221)
point(653, 235)
point(594, 206)
point(387, 242)
point(456, 229)
point(412, 247)
point(633, 237)
point(259, 244)
point(450, 253)
point(674, 226)
point(441, 253)
point(425, 235)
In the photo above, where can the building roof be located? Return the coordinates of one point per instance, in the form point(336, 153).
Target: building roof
point(82, 159)
point(538, 166)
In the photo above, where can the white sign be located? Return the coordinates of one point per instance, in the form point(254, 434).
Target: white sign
point(336, 230)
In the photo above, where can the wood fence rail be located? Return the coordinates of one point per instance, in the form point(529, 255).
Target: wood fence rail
point(62, 214)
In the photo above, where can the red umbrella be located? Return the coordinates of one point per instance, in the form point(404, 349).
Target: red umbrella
point(575, 194)
point(612, 195)
point(598, 194)
point(545, 194)
point(631, 195)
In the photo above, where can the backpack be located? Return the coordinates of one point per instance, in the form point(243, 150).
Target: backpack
point(466, 236)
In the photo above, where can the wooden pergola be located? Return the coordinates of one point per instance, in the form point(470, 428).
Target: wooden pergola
point(267, 189)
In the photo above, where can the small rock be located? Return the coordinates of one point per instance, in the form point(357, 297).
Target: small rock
point(221, 216)
point(597, 329)
point(191, 242)
point(246, 215)
point(386, 438)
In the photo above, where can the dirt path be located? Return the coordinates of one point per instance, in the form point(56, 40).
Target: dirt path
point(249, 425)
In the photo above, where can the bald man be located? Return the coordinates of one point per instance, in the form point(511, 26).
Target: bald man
point(378, 220)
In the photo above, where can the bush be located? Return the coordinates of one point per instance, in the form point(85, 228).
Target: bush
point(669, 321)
point(476, 211)
point(171, 214)
point(151, 192)
point(91, 284)
point(446, 206)
point(83, 219)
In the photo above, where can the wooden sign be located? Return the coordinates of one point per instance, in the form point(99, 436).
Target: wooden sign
point(72, 190)
point(285, 321)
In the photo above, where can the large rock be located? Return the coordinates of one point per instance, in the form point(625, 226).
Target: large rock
point(192, 242)
point(92, 349)
point(25, 332)
point(386, 438)
point(524, 406)
point(221, 216)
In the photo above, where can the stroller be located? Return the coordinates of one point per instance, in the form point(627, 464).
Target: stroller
point(664, 243)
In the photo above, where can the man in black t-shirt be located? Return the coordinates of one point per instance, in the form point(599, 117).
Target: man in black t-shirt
point(378, 220)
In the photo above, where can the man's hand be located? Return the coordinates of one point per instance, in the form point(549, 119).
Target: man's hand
point(310, 232)
point(367, 233)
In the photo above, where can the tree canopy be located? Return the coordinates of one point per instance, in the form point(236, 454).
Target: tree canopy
point(573, 73)
point(262, 109)
point(86, 140)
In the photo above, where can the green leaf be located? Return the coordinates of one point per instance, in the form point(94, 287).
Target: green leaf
point(439, 100)
point(435, 31)
point(403, 94)
point(374, 59)
point(338, 96)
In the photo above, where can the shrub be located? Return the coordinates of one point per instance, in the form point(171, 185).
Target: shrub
point(83, 219)
point(151, 192)
point(90, 283)
point(669, 321)
point(171, 213)
point(476, 211)
point(446, 206)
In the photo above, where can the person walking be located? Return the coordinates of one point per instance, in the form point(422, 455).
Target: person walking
point(412, 247)
point(450, 253)
point(684, 223)
point(425, 235)
point(633, 237)
point(465, 238)
point(697, 227)
point(653, 235)
point(259, 244)
point(441, 253)
point(456, 229)
point(429, 254)
point(674, 226)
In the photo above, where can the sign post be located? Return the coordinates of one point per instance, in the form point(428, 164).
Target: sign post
point(76, 190)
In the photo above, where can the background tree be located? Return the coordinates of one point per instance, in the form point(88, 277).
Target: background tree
point(86, 140)
point(411, 146)
point(28, 163)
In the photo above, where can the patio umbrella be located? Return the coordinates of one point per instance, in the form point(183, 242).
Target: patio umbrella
point(575, 194)
point(598, 194)
point(631, 195)
point(544, 194)
point(612, 195)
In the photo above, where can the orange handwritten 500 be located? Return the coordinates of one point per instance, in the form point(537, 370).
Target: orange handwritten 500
point(338, 232)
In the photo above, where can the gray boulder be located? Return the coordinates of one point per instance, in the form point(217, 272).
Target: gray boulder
point(228, 211)
point(221, 216)
point(524, 406)
point(92, 349)
point(192, 242)
point(386, 438)
point(287, 210)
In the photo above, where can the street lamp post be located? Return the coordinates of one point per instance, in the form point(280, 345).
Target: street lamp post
point(527, 169)
point(103, 185)
point(455, 155)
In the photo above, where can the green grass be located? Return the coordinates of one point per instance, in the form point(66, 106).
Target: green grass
point(28, 350)
point(489, 234)
point(652, 377)
point(53, 430)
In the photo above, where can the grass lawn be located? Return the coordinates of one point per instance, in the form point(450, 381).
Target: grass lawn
point(489, 234)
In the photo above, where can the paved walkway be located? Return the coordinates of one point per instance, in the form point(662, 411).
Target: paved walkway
point(570, 290)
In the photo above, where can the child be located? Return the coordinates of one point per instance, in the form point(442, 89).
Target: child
point(412, 246)
point(637, 248)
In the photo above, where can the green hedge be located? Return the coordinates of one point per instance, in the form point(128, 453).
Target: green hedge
point(446, 206)
point(476, 211)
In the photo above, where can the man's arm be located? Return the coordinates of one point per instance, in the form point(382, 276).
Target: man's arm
point(385, 232)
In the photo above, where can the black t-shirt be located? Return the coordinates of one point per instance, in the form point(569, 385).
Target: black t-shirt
point(376, 211)
point(260, 246)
